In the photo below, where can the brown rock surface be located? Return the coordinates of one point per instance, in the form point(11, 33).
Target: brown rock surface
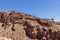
point(19, 26)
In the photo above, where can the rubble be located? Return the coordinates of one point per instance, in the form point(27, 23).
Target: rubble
point(16, 25)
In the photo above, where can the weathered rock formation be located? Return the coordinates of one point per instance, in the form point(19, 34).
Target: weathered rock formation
point(19, 26)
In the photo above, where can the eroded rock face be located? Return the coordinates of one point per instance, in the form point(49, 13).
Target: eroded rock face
point(19, 26)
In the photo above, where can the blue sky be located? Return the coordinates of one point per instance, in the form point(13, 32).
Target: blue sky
point(39, 8)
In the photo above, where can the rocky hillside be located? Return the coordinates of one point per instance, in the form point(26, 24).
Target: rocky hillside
point(19, 26)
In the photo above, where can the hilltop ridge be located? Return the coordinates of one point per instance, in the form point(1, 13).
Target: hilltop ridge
point(16, 25)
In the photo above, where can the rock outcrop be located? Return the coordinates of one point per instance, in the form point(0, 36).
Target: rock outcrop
point(19, 26)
